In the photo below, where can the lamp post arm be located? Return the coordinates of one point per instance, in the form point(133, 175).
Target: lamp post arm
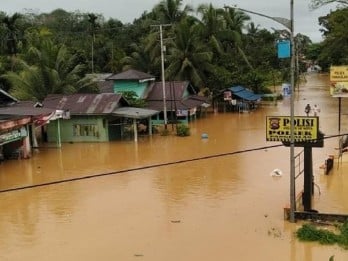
point(283, 21)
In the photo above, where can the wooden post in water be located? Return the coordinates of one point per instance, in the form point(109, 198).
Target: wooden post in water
point(308, 179)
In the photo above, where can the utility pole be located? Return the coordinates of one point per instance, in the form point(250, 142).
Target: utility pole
point(163, 75)
point(292, 124)
point(289, 24)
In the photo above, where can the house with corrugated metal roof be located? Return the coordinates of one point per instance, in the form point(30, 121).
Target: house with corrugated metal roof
point(177, 99)
point(94, 118)
point(181, 101)
point(237, 98)
point(131, 81)
point(18, 120)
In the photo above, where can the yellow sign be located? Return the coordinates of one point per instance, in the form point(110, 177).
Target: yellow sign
point(339, 81)
point(305, 128)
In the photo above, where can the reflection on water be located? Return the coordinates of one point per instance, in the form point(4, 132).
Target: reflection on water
point(217, 208)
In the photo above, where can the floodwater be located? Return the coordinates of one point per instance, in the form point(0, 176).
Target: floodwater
point(214, 200)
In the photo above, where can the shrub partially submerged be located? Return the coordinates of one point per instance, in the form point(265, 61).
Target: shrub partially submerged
point(309, 232)
point(182, 130)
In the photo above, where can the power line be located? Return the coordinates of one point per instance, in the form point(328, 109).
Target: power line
point(151, 166)
point(137, 169)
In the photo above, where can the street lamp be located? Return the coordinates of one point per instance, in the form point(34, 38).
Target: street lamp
point(289, 25)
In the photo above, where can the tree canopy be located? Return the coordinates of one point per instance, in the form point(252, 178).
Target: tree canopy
point(212, 47)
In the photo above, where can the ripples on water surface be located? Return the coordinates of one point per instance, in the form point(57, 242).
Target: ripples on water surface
point(219, 208)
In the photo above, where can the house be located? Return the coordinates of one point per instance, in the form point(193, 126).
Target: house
point(94, 118)
point(237, 98)
point(130, 81)
point(179, 100)
point(18, 120)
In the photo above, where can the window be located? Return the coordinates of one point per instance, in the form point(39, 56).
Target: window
point(85, 130)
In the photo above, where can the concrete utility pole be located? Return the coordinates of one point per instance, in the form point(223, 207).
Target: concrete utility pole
point(289, 24)
point(163, 75)
point(292, 126)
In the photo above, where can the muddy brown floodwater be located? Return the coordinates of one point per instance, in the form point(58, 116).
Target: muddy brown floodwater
point(221, 208)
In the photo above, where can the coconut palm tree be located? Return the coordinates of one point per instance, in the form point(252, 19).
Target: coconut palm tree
point(234, 22)
point(47, 69)
point(188, 58)
point(139, 59)
point(171, 11)
point(210, 26)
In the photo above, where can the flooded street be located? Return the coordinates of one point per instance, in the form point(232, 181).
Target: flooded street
point(225, 206)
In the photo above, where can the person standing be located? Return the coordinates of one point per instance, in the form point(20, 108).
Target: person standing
point(316, 110)
point(307, 109)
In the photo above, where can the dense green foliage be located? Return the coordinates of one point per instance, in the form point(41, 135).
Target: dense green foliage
point(212, 47)
point(133, 99)
point(182, 130)
point(309, 232)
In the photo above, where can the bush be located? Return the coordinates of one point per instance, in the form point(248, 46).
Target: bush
point(309, 232)
point(182, 130)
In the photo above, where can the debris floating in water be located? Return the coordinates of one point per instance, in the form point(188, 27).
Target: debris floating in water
point(204, 136)
point(276, 173)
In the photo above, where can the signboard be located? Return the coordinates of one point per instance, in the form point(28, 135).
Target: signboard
point(227, 95)
point(284, 49)
point(339, 81)
point(305, 128)
point(13, 136)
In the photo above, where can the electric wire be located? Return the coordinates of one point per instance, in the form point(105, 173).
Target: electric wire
point(150, 166)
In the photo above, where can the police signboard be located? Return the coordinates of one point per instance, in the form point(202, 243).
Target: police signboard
point(305, 128)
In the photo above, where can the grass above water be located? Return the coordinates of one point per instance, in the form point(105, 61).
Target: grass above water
point(337, 234)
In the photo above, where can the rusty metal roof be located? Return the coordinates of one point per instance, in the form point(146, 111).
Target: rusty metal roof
point(175, 90)
point(172, 105)
point(21, 110)
point(175, 96)
point(131, 75)
point(85, 104)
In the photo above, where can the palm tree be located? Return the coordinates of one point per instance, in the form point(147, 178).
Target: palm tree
point(170, 11)
point(234, 22)
point(188, 59)
point(139, 59)
point(48, 69)
point(210, 25)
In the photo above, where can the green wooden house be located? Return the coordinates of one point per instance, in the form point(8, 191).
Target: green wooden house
point(181, 102)
point(131, 81)
point(93, 117)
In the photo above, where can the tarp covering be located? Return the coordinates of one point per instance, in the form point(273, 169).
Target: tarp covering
point(245, 94)
point(237, 88)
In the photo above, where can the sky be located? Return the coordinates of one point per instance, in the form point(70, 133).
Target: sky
point(305, 20)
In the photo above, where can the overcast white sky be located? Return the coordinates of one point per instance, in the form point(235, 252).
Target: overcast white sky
point(306, 21)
